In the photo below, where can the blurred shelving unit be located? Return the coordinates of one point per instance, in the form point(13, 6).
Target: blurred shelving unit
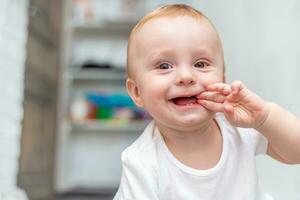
point(88, 151)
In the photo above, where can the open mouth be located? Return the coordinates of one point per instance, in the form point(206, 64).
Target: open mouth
point(185, 101)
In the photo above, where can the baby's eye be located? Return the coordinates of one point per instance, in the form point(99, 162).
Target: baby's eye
point(165, 66)
point(200, 64)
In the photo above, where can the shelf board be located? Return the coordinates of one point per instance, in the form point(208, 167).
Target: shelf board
point(111, 126)
point(111, 26)
point(94, 75)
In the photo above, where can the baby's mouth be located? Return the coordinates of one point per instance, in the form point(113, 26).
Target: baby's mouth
point(184, 101)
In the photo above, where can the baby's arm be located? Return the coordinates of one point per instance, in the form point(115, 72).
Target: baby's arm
point(282, 129)
point(244, 108)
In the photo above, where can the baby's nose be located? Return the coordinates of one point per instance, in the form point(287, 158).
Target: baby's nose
point(186, 76)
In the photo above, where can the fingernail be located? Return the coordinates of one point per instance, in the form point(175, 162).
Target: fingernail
point(200, 101)
point(227, 91)
point(200, 95)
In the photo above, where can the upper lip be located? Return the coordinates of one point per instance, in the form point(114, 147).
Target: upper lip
point(185, 94)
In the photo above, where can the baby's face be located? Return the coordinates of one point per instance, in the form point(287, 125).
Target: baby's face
point(173, 59)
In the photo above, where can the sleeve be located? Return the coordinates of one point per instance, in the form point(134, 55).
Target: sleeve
point(260, 142)
point(137, 181)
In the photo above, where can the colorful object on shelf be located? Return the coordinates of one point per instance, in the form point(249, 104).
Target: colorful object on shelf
point(123, 113)
point(83, 11)
point(92, 111)
point(95, 65)
point(79, 109)
point(116, 100)
point(104, 113)
point(109, 106)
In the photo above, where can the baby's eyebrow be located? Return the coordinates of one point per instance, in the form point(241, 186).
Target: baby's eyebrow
point(161, 52)
point(202, 51)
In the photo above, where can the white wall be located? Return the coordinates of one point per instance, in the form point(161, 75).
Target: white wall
point(13, 36)
point(262, 47)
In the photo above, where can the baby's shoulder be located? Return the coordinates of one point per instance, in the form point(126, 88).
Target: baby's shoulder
point(229, 129)
point(143, 149)
point(241, 137)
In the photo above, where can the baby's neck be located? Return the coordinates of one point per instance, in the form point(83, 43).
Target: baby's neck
point(200, 149)
point(187, 138)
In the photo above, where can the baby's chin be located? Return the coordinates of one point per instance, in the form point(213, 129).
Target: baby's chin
point(195, 115)
point(190, 122)
point(197, 119)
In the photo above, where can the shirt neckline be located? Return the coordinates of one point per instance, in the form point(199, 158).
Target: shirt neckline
point(190, 170)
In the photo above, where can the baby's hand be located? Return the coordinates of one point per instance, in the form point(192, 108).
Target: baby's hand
point(240, 106)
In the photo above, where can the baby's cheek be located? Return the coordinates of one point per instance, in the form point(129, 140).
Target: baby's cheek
point(152, 91)
point(211, 80)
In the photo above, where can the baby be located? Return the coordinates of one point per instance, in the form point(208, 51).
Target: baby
point(205, 134)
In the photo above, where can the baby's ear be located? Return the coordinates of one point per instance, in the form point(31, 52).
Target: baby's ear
point(134, 93)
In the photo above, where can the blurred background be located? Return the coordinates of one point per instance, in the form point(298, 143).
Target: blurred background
point(65, 115)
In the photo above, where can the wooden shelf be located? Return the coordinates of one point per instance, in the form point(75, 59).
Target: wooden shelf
point(110, 125)
point(122, 26)
point(94, 75)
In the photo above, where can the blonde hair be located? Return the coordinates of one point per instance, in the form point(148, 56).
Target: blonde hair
point(164, 11)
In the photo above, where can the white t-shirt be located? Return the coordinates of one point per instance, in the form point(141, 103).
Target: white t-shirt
point(151, 172)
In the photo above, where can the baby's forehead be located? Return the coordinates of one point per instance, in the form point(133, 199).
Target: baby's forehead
point(158, 23)
point(166, 27)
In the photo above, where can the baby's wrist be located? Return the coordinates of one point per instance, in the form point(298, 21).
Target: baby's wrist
point(265, 116)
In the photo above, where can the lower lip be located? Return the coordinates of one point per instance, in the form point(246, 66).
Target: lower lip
point(190, 105)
